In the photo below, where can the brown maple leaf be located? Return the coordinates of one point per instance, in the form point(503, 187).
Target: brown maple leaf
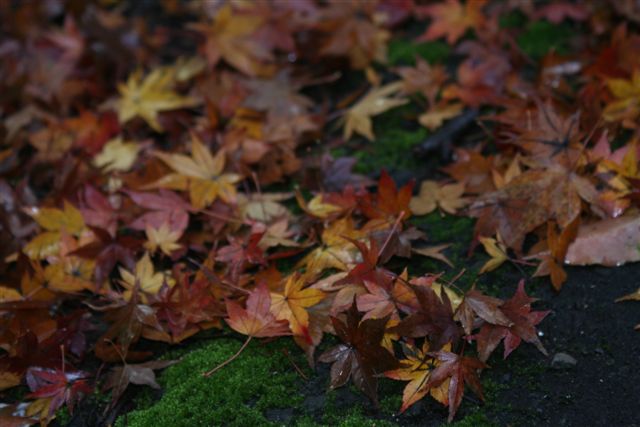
point(523, 321)
point(361, 357)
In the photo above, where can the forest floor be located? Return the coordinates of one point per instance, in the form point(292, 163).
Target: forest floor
point(271, 384)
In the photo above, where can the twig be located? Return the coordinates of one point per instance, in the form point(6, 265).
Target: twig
point(229, 360)
point(295, 366)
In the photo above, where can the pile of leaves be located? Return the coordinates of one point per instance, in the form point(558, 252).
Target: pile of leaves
point(161, 177)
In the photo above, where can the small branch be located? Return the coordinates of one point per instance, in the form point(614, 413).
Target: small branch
point(229, 360)
point(295, 366)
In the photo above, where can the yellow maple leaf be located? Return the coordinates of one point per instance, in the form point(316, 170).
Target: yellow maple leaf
point(437, 114)
point(416, 369)
point(317, 206)
point(67, 272)
point(162, 238)
point(202, 174)
point(626, 106)
point(145, 278)
point(447, 197)
point(70, 274)
point(9, 294)
point(148, 96)
point(55, 222)
point(497, 250)
point(117, 155)
point(290, 305)
point(378, 100)
point(335, 251)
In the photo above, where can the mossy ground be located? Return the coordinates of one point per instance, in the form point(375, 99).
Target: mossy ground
point(262, 386)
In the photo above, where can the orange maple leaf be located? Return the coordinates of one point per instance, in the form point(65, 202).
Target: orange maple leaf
point(452, 19)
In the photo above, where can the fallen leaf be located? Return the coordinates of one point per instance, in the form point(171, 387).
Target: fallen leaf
point(147, 96)
point(376, 101)
point(497, 250)
point(201, 174)
point(447, 197)
point(117, 155)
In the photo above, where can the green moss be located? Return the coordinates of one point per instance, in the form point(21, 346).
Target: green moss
point(448, 228)
point(354, 417)
point(403, 52)
point(514, 19)
point(260, 379)
point(63, 417)
point(477, 419)
point(396, 134)
point(541, 37)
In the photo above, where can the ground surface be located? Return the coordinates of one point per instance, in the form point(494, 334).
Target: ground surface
point(263, 386)
point(601, 389)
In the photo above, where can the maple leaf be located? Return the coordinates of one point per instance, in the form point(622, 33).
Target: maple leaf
point(497, 250)
point(61, 387)
point(385, 297)
point(378, 100)
point(336, 251)
point(117, 155)
point(388, 204)
point(626, 106)
point(558, 244)
point(416, 368)
point(530, 200)
point(452, 19)
point(186, 308)
point(107, 250)
point(460, 370)
point(139, 374)
point(487, 308)
point(518, 310)
point(447, 197)
point(229, 38)
point(556, 12)
point(473, 169)
point(291, 305)
point(55, 222)
point(423, 78)
point(201, 174)
point(162, 238)
point(435, 116)
point(98, 210)
point(434, 318)
point(276, 234)
point(166, 207)
point(361, 357)
point(434, 252)
point(256, 320)
point(148, 96)
point(144, 278)
point(263, 207)
point(354, 35)
point(129, 320)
